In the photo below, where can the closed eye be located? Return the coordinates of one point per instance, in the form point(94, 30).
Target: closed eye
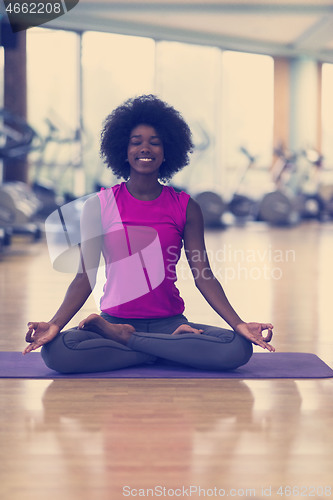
point(136, 141)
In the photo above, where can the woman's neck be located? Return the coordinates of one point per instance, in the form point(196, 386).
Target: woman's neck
point(144, 188)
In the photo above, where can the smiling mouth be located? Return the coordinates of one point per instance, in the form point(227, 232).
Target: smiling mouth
point(145, 159)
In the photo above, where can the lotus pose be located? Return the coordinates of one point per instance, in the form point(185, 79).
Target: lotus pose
point(140, 226)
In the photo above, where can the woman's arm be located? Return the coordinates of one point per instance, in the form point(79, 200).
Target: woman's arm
point(209, 286)
point(90, 251)
point(81, 287)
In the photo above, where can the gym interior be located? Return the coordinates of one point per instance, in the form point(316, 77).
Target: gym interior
point(254, 82)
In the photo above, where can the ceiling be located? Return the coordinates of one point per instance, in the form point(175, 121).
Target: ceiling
point(279, 28)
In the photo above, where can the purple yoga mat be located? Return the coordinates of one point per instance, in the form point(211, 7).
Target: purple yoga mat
point(261, 366)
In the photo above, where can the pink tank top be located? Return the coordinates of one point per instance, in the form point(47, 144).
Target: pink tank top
point(141, 246)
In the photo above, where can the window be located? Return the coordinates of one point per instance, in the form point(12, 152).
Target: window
point(327, 114)
point(188, 78)
point(115, 68)
point(52, 76)
point(247, 110)
point(53, 104)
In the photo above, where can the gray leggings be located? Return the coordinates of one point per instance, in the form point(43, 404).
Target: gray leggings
point(83, 351)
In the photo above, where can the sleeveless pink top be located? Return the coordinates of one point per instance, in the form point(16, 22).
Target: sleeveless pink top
point(141, 246)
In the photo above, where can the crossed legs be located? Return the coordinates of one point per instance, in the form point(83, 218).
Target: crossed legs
point(103, 343)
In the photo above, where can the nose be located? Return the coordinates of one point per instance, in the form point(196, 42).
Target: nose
point(145, 147)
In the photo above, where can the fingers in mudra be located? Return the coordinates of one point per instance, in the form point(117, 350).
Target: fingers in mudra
point(268, 337)
point(32, 327)
point(267, 340)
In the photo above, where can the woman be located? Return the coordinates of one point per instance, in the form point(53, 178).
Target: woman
point(140, 226)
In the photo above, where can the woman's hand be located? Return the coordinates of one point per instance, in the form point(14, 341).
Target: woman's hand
point(40, 333)
point(253, 332)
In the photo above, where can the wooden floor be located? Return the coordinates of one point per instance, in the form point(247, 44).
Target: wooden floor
point(114, 439)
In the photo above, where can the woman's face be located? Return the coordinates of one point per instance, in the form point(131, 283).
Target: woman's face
point(145, 150)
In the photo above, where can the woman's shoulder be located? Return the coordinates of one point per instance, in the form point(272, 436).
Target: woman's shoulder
point(193, 209)
point(108, 195)
point(107, 191)
point(176, 202)
point(177, 194)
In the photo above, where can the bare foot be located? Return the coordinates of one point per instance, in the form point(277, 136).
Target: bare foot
point(118, 332)
point(186, 329)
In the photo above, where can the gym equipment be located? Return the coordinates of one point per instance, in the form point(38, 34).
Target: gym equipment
point(5, 238)
point(18, 207)
point(59, 156)
point(241, 205)
point(18, 204)
point(17, 138)
point(317, 188)
point(282, 206)
point(301, 192)
point(279, 208)
point(213, 207)
point(211, 203)
point(312, 203)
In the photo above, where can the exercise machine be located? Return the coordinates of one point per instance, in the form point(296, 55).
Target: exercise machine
point(313, 205)
point(212, 207)
point(56, 166)
point(211, 202)
point(244, 202)
point(282, 206)
point(18, 203)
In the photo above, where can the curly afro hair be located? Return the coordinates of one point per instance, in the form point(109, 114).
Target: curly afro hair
point(148, 110)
